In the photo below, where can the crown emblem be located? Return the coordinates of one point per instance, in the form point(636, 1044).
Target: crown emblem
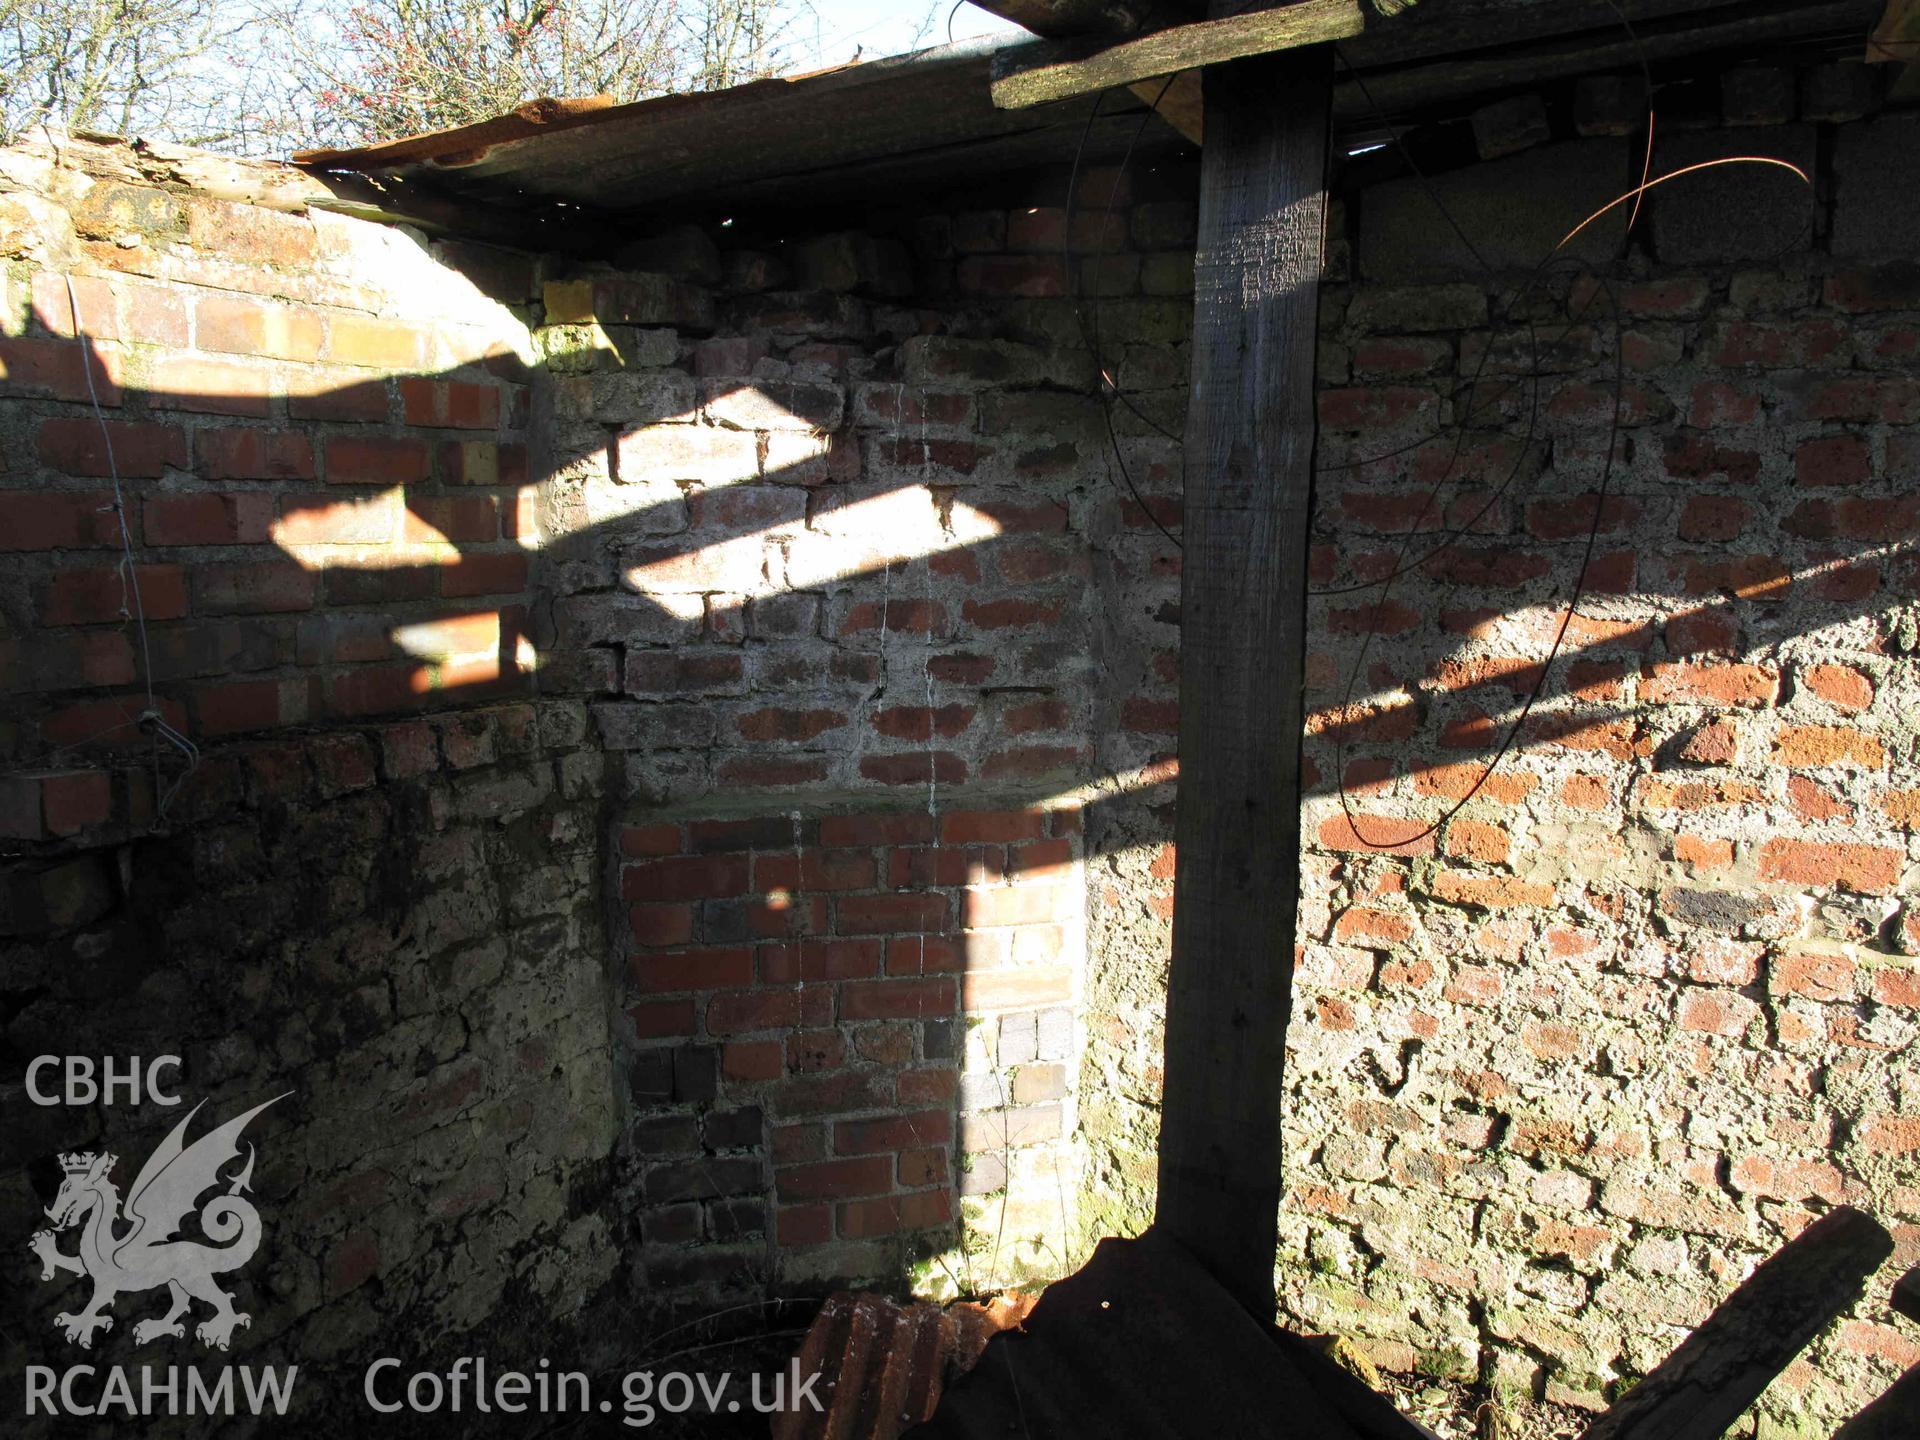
point(125, 1249)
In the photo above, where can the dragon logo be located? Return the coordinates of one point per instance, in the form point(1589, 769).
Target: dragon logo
point(146, 1255)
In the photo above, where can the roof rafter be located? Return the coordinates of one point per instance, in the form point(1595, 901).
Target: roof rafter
point(1375, 33)
point(1177, 100)
point(1080, 67)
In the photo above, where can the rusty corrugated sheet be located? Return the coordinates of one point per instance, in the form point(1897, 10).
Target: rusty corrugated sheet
point(885, 1365)
point(536, 117)
point(771, 141)
point(468, 144)
point(860, 129)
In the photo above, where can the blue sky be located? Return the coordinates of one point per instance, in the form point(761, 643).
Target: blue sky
point(826, 32)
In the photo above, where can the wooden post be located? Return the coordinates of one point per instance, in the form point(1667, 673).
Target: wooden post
point(1699, 1390)
point(1249, 456)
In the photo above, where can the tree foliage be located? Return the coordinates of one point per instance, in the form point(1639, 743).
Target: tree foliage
point(265, 75)
point(394, 67)
point(121, 66)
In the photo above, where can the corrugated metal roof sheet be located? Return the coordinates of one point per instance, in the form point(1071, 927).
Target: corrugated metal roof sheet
point(768, 142)
point(862, 129)
point(885, 1365)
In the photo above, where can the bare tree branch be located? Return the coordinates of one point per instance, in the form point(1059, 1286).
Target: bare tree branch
point(258, 75)
point(383, 68)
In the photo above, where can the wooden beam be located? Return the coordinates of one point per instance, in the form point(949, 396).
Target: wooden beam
point(1179, 102)
point(1906, 1294)
point(1896, 39)
point(1376, 34)
point(1082, 67)
point(402, 202)
point(1894, 1416)
point(1249, 456)
point(1176, 102)
point(1721, 1368)
point(1407, 88)
point(1446, 28)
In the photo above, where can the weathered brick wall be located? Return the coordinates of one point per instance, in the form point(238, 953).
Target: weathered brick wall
point(833, 537)
point(805, 536)
point(356, 917)
point(845, 780)
point(320, 430)
point(1564, 1070)
point(866, 1015)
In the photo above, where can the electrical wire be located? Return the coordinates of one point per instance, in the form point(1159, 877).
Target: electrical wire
point(1110, 393)
point(1090, 332)
point(1507, 741)
point(1090, 328)
point(1602, 491)
point(151, 719)
point(132, 605)
point(1109, 389)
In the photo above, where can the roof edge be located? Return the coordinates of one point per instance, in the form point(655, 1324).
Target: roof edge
point(463, 144)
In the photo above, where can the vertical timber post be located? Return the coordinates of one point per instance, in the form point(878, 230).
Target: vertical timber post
point(1249, 458)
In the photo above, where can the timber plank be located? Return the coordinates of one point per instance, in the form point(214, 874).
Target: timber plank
point(1895, 1415)
point(875, 125)
point(1530, 62)
point(1139, 1343)
point(1372, 38)
point(1721, 1368)
point(1177, 102)
point(1249, 453)
point(1089, 66)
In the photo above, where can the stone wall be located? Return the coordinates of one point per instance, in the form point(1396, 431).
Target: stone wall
point(838, 564)
point(686, 742)
point(1578, 1042)
point(319, 427)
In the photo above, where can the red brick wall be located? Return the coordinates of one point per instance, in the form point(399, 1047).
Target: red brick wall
point(823, 562)
point(396, 919)
point(804, 995)
point(1566, 1067)
point(879, 656)
point(320, 430)
point(808, 533)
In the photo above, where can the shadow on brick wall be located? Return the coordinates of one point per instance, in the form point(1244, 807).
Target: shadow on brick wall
point(856, 805)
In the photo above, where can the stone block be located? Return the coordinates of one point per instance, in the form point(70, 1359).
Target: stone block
point(642, 398)
point(1610, 105)
point(1876, 168)
point(1509, 126)
point(1512, 213)
point(1845, 90)
point(1757, 95)
point(850, 262)
point(751, 271)
point(1734, 212)
point(685, 252)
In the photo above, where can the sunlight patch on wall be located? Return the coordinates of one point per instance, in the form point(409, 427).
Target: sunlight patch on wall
point(853, 538)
